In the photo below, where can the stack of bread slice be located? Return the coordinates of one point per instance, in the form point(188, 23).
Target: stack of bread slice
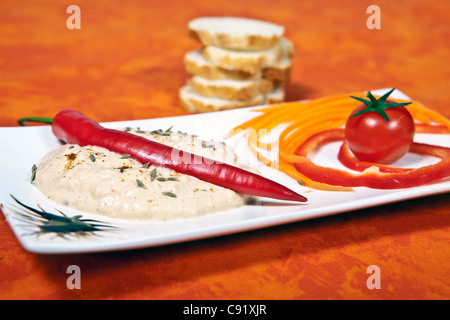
point(241, 63)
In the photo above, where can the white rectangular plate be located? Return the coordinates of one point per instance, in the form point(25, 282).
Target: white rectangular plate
point(25, 146)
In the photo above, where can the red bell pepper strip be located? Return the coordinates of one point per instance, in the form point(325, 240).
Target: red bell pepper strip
point(431, 128)
point(347, 158)
point(72, 127)
point(371, 179)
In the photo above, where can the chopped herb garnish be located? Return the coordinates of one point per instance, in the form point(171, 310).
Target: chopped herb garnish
point(153, 174)
point(204, 145)
point(92, 157)
point(162, 133)
point(167, 132)
point(146, 165)
point(161, 179)
point(170, 194)
point(125, 156)
point(33, 173)
point(172, 179)
point(140, 183)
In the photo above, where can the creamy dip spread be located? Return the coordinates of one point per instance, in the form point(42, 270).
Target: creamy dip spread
point(93, 179)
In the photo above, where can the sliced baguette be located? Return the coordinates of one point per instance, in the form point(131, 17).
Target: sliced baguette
point(235, 33)
point(275, 96)
point(248, 61)
point(196, 65)
point(193, 102)
point(231, 89)
point(279, 73)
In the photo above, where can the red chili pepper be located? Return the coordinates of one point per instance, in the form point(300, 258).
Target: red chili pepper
point(371, 179)
point(74, 128)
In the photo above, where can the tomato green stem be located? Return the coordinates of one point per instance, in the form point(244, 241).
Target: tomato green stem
point(378, 105)
point(22, 121)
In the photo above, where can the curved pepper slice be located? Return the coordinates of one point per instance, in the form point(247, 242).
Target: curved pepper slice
point(371, 178)
point(429, 128)
point(347, 158)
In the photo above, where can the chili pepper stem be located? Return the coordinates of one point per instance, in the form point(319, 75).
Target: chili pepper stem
point(22, 121)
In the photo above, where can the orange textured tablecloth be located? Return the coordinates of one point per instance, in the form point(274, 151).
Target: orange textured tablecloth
point(126, 62)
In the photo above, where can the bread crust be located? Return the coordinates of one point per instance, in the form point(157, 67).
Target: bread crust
point(246, 90)
point(277, 95)
point(195, 103)
point(251, 40)
point(280, 76)
point(226, 41)
point(250, 62)
point(200, 104)
point(213, 72)
point(279, 73)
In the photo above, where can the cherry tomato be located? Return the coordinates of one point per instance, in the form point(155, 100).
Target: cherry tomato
point(372, 138)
